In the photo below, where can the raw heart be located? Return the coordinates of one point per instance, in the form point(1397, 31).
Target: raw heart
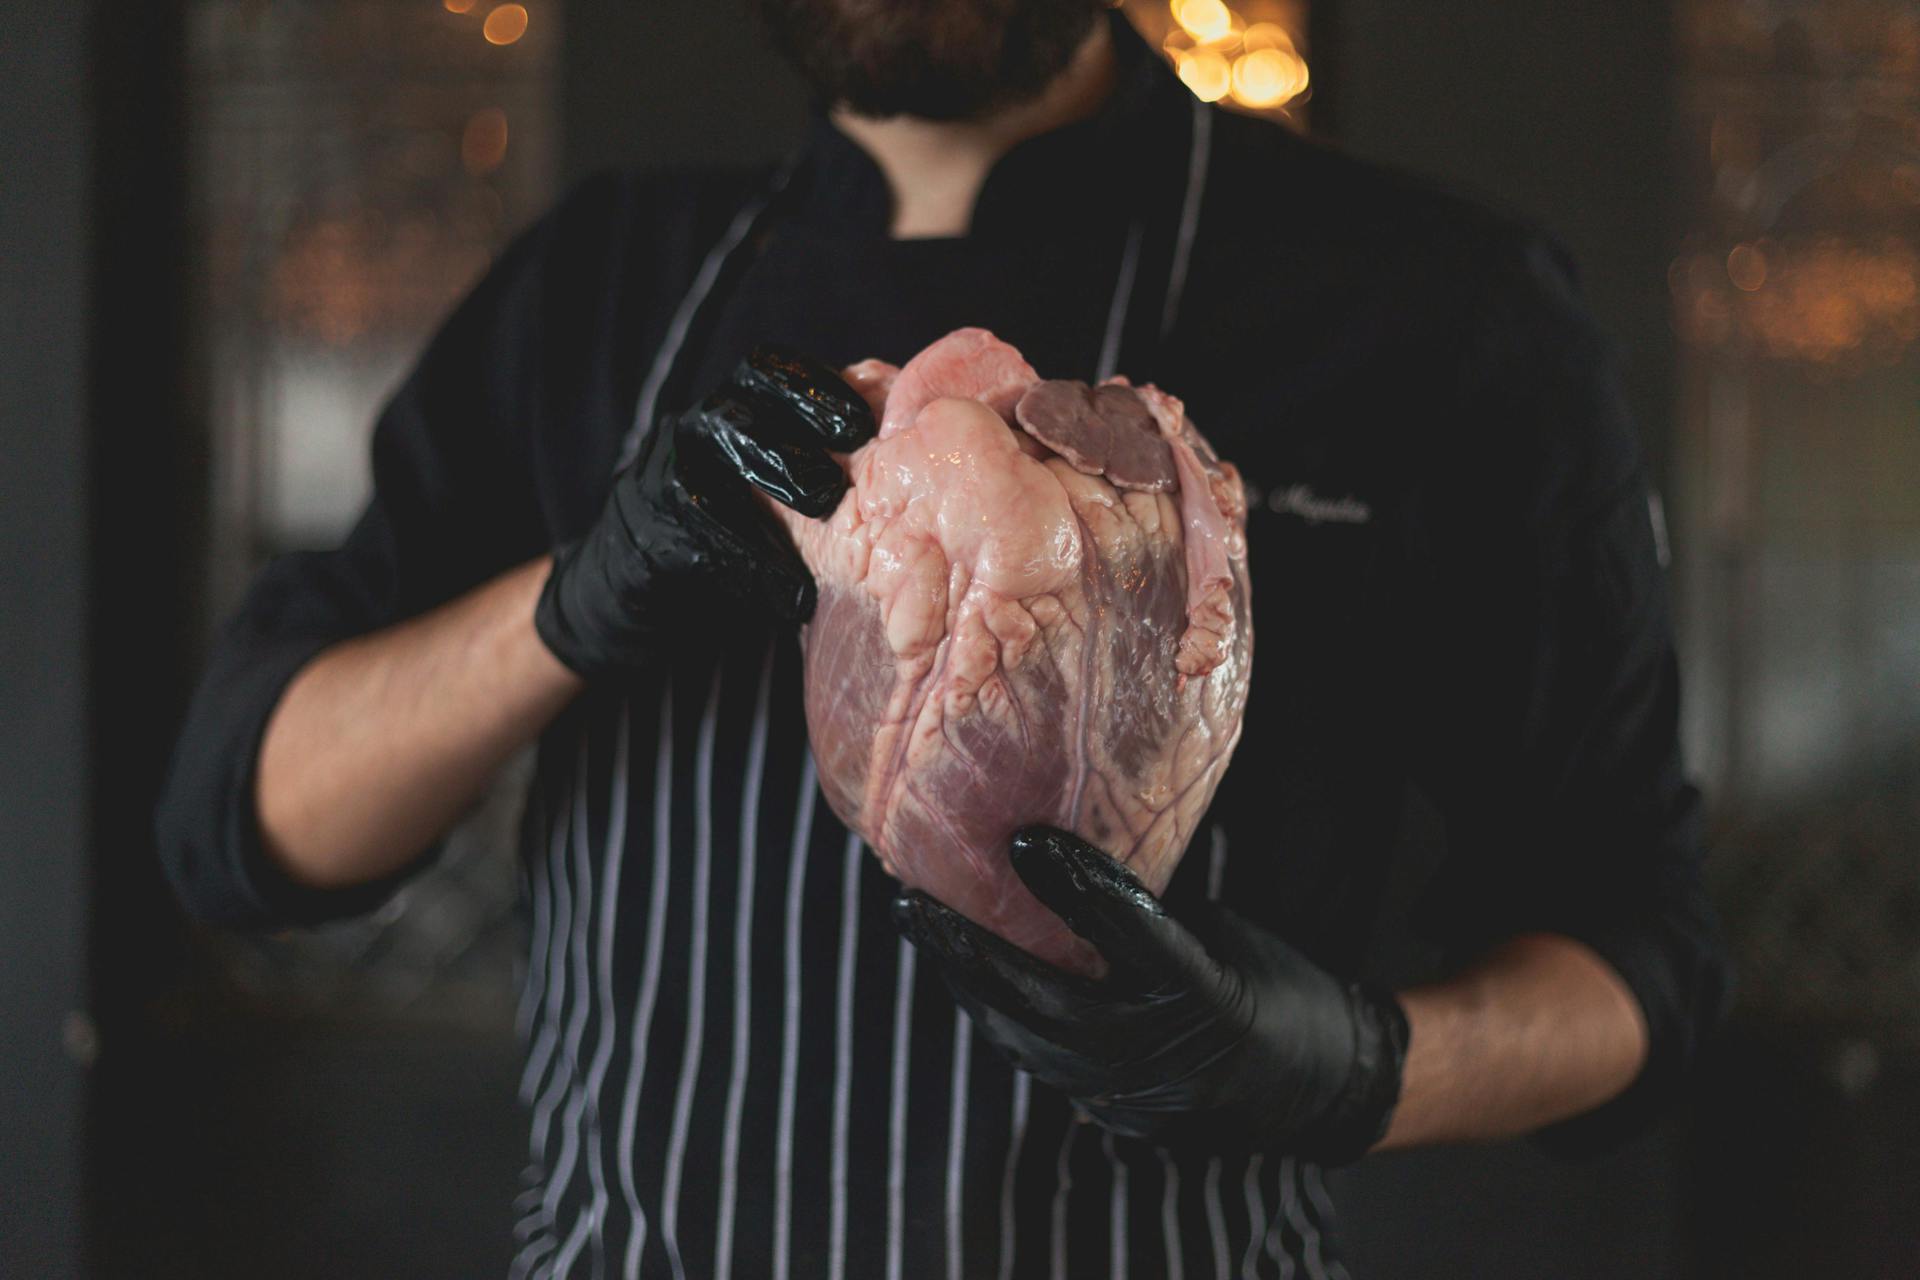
point(1041, 623)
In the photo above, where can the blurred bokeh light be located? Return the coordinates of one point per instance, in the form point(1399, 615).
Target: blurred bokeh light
point(1247, 56)
point(506, 24)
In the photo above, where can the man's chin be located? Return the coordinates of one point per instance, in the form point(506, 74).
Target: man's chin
point(946, 60)
point(946, 104)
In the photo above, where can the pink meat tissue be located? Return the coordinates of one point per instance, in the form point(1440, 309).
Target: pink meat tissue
point(1033, 608)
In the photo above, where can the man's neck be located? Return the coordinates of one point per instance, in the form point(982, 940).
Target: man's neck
point(935, 168)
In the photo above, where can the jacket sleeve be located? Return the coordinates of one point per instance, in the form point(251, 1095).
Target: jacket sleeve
point(453, 503)
point(1552, 744)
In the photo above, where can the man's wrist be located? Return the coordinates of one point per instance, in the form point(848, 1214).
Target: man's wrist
point(1360, 1116)
point(584, 611)
point(553, 622)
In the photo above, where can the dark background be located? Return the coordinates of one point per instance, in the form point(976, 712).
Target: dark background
point(157, 1124)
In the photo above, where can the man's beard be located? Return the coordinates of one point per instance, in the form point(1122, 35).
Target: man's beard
point(937, 59)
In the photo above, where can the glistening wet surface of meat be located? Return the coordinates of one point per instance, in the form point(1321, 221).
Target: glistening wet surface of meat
point(1033, 608)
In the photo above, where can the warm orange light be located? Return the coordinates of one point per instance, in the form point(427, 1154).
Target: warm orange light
point(1747, 267)
point(459, 6)
point(1267, 35)
point(1267, 78)
point(483, 144)
point(1207, 74)
point(1838, 305)
point(505, 24)
point(1204, 20)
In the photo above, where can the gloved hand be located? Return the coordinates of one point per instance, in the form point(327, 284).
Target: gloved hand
point(1219, 1037)
point(682, 539)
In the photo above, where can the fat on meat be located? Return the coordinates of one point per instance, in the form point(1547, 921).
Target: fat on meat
point(1033, 607)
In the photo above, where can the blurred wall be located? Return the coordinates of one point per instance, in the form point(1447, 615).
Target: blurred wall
point(44, 155)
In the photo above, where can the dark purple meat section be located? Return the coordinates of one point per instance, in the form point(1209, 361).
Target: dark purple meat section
point(1102, 431)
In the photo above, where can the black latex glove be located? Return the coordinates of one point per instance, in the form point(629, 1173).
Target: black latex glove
point(682, 543)
point(1218, 1036)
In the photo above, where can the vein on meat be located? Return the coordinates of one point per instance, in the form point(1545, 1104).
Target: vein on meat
point(1092, 574)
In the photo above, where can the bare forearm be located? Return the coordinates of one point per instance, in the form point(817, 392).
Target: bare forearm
point(382, 742)
point(1540, 1030)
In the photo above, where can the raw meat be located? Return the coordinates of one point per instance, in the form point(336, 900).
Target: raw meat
point(1102, 431)
point(1038, 625)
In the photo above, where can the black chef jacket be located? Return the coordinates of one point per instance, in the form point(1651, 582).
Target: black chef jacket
point(734, 1066)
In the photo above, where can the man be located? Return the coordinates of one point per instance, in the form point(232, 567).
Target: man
point(736, 1064)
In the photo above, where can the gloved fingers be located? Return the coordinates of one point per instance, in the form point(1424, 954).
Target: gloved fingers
point(985, 969)
point(753, 436)
point(1171, 1125)
point(830, 413)
point(1264, 960)
point(1104, 903)
point(1145, 1122)
point(1077, 1035)
point(1062, 1067)
point(753, 560)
